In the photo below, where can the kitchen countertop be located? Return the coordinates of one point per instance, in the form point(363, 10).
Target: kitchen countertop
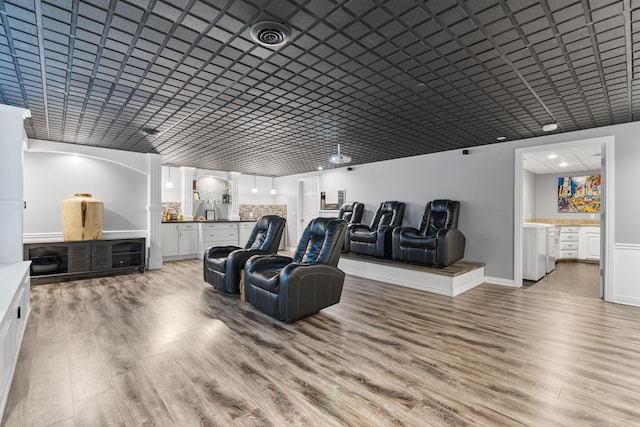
point(595, 222)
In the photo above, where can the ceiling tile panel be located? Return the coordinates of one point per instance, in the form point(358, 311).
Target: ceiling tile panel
point(384, 80)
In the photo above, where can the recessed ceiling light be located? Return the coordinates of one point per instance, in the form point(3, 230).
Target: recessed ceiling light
point(563, 164)
point(320, 168)
point(550, 127)
point(501, 138)
point(552, 156)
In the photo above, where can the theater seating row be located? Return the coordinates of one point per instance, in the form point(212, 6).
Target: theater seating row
point(435, 242)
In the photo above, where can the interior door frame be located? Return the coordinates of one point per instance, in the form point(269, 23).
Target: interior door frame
point(607, 214)
point(301, 181)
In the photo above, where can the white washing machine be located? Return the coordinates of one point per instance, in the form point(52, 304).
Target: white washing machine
point(534, 251)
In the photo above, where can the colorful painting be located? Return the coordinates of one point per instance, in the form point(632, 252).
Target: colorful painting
point(579, 194)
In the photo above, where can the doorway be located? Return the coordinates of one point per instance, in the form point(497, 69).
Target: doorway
point(308, 201)
point(603, 148)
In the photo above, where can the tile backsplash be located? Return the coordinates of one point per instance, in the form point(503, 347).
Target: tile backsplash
point(172, 208)
point(249, 212)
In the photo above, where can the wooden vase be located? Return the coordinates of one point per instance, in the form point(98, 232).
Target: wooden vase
point(82, 218)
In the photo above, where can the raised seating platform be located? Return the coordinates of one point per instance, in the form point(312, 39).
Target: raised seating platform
point(451, 281)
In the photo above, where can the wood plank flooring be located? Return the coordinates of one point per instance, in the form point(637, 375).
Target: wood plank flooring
point(163, 348)
point(576, 278)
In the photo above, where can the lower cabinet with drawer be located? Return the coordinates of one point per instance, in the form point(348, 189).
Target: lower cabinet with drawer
point(568, 242)
point(219, 234)
point(580, 242)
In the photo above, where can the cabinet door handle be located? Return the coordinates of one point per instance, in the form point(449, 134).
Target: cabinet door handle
point(19, 311)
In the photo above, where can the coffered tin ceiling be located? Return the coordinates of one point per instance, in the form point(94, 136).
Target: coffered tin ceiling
point(385, 79)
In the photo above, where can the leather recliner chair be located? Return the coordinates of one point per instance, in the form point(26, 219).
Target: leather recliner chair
point(375, 239)
point(222, 264)
point(352, 212)
point(438, 242)
point(290, 289)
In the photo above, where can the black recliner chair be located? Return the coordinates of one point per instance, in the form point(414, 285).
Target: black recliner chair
point(222, 264)
point(438, 242)
point(352, 212)
point(290, 289)
point(375, 239)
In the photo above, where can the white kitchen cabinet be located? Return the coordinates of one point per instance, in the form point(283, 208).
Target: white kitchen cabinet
point(589, 243)
point(169, 239)
point(15, 297)
point(180, 240)
point(188, 239)
point(580, 242)
point(569, 242)
point(219, 234)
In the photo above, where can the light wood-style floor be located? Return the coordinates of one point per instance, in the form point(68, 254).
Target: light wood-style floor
point(163, 348)
point(576, 278)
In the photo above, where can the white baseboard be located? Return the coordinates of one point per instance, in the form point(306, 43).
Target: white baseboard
point(499, 281)
point(626, 300)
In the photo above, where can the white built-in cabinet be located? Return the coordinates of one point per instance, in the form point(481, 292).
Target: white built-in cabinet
point(219, 234)
point(188, 239)
point(580, 242)
point(169, 239)
point(15, 297)
point(180, 240)
point(589, 243)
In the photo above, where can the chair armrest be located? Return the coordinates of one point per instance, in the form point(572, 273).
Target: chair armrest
point(383, 242)
point(259, 262)
point(395, 240)
point(306, 288)
point(356, 227)
point(398, 231)
point(220, 251)
point(450, 244)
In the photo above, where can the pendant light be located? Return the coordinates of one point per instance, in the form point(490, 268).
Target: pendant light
point(255, 188)
point(169, 184)
point(273, 188)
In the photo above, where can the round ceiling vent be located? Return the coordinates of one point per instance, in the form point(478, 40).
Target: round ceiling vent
point(270, 34)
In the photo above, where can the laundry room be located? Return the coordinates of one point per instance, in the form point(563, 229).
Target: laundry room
point(561, 229)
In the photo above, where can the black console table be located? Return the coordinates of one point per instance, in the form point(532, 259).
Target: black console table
point(89, 257)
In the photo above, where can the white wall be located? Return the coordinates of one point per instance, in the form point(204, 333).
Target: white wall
point(483, 182)
point(529, 195)
point(171, 194)
point(546, 191)
point(49, 178)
